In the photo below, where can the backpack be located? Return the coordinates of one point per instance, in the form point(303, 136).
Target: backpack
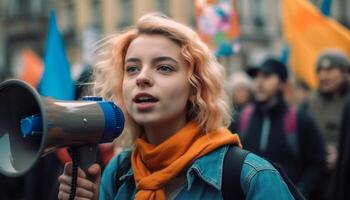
point(290, 126)
point(231, 181)
point(233, 163)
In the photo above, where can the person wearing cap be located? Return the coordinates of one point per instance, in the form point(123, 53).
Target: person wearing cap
point(327, 103)
point(262, 127)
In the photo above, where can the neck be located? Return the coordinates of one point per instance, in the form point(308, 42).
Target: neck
point(156, 134)
point(267, 105)
point(343, 90)
point(273, 101)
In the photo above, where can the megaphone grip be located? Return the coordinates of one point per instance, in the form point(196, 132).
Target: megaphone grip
point(82, 156)
point(86, 156)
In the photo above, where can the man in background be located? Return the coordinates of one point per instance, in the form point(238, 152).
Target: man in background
point(279, 132)
point(326, 106)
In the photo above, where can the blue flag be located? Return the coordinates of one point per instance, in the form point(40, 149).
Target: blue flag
point(56, 81)
point(326, 7)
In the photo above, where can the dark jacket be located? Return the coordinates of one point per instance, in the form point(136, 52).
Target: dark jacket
point(11, 188)
point(305, 168)
point(326, 110)
point(342, 178)
point(41, 182)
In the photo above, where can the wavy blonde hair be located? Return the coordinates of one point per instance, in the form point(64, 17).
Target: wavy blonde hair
point(208, 104)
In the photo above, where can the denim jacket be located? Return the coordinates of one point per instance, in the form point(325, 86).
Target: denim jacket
point(259, 180)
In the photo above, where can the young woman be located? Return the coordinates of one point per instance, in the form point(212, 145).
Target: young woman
point(170, 88)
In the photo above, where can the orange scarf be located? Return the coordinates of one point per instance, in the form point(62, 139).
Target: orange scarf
point(155, 166)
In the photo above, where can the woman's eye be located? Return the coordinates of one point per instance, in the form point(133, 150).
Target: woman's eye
point(165, 68)
point(131, 69)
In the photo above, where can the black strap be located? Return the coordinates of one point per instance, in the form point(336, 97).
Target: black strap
point(123, 168)
point(292, 188)
point(231, 176)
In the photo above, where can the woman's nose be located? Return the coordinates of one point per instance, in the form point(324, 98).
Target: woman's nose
point(143, 80)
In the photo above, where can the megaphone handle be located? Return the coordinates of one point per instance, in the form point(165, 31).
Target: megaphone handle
point(83, 156)
point(86, 156)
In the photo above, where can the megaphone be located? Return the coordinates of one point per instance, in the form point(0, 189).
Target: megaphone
point(32, 126)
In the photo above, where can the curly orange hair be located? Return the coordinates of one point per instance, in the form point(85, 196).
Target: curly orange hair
point(209, 105)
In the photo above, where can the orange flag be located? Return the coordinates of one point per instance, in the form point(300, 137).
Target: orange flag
point(32, 68)
point(308, 33)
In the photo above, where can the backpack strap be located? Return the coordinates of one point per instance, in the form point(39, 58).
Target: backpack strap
point(292, 188)
point(231, 175)
point(290, 120)
point(231, 184)
point(244, 118)
point(290, 129)
point(124, 166)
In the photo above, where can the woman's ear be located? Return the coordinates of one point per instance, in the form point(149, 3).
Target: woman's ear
point(192, 97)
point(191, 105)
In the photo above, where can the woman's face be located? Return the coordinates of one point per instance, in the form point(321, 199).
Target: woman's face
point(155, 85)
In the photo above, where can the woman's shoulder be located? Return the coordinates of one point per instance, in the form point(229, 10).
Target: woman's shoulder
point(259, 177)
point(255, 167)
point(255, 163)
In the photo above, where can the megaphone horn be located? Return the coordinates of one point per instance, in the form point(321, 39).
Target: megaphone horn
point(31, 125)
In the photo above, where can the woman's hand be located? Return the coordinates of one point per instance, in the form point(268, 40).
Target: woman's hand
point(86, 189)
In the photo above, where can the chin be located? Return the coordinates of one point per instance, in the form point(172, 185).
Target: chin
point(144, 121)
point(261, 99)
point(325, 90)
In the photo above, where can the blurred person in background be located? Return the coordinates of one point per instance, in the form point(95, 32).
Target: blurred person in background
point(240, 86)
point(301, 93)
point(327, 104)
point(279, 132)
point(342, 174)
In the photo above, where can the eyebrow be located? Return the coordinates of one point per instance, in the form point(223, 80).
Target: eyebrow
point(164, 58)
point(132, 60)
point(154, 60)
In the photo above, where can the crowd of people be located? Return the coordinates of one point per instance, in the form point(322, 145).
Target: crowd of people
point(310, 138)
point(178, 115)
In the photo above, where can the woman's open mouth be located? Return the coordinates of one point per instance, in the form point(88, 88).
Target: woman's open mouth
point(145, 101)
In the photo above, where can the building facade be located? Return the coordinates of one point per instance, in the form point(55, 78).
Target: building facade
point(24, 23)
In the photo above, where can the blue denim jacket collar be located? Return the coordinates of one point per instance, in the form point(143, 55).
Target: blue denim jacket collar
point(208, 168)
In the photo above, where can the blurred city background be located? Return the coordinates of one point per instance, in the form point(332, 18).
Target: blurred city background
point(24, 24)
